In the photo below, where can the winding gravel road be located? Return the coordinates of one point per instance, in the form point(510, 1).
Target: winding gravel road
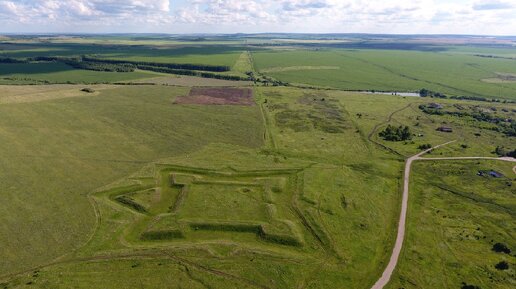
point(387, 274)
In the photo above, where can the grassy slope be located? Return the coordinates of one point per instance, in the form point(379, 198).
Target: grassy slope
point(451, 233)
point(392, 70)
point(356, 232)
point(358, 219)
point(54, 152)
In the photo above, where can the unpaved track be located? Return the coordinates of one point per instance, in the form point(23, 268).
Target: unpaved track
point(375, 128)
point(387, 274)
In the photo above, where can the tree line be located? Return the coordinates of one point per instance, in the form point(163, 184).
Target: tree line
point(107, 65)
point(190, 72)
point(183, 66)
point(433, 94)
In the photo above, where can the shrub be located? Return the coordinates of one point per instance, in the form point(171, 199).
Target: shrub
point(424, 146)
point(502, 265)
point(501, 248)
point(466, 286)
point(428, 93)
point(88, 90)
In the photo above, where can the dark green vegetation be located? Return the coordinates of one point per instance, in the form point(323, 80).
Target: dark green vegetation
point(123, 186)
point(391, 133)
point(459, 230)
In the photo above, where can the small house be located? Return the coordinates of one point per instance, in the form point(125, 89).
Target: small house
point(445, 129)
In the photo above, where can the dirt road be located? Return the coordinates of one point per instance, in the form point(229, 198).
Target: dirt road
point(386, 276)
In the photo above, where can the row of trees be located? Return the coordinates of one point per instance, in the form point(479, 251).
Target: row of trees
point(182, 66)
point(11, 60)
point(190, 72)
point(97, 66)
point(110, 65)
point(88, 63)
point(428, 93)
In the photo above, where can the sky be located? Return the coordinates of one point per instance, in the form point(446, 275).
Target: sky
point(480, 17)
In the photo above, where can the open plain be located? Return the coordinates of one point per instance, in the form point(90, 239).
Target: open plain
point(239, 162)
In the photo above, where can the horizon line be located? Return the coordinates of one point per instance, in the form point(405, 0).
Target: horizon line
point(256, 33)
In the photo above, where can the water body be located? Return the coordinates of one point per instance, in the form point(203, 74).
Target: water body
point(395, 93)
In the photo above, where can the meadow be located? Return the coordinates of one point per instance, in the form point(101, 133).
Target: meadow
point(456, 217)
point(127, 185)
point(55, 152)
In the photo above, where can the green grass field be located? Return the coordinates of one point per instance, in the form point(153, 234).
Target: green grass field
point(55, 152)
point(456, 217)
point(449, 73)
point(124, 188)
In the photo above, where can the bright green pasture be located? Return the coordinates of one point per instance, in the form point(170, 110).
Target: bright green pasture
point(449, 73)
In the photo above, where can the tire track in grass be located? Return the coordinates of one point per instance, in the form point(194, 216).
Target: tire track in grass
point(375, 129)
point(143, 256)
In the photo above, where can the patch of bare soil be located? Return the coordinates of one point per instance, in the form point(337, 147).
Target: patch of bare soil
point(218, 96)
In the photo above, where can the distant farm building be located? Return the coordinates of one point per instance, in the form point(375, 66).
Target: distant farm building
point(445, 129)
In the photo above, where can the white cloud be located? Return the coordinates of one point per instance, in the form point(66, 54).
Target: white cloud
point(225, 11)
point(39, 11)
point(177, 16)
point(492, 5)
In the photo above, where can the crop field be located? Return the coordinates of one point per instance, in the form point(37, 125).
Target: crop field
point(196, 54)
point(285, 177)
point(48, 73)
point(455, 74)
